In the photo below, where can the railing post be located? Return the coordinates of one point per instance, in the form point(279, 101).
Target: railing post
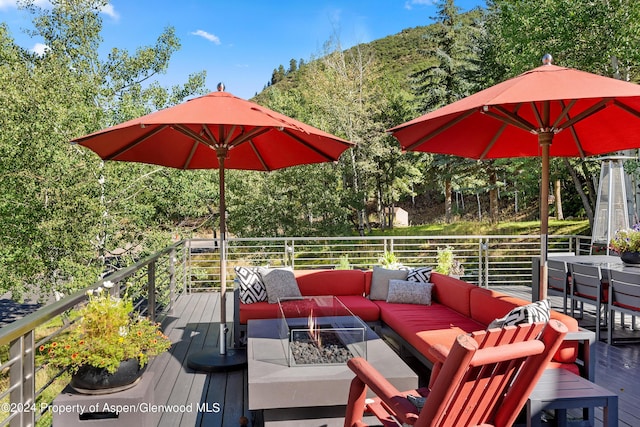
point(172, 279)
point(186, 280)
point(151, 289)
point(22, 377)
point(485, 247)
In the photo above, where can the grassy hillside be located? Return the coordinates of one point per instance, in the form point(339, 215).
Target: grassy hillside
point(473, 228)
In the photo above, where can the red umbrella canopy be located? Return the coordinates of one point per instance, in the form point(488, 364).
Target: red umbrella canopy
point(587, 114)
point(548, 111)
point(188, 135)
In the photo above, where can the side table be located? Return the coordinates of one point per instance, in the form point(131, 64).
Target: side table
point(559, 389)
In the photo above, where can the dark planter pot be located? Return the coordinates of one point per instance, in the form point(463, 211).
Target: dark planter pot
point(631, 258)
point(92, 380)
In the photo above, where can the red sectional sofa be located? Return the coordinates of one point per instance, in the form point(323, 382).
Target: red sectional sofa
point(457, 307)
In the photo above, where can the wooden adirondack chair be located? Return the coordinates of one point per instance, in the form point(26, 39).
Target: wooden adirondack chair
point(484, 380)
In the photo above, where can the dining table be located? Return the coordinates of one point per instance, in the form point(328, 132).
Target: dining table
point(605, 262)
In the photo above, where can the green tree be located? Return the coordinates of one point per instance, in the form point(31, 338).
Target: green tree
point(453, 43)
point(63, 211)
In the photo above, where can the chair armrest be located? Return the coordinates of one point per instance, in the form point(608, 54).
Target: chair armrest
point(384, 390)
point(586, 339)
point(440, 352)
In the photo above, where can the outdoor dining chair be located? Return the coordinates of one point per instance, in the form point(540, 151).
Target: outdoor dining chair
point(558, 282)
point(588, 287)
point(624, 297)
point(484, 379)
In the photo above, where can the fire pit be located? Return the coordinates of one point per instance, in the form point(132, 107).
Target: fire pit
point(320, 330)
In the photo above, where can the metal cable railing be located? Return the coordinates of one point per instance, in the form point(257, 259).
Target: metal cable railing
point(27, 388)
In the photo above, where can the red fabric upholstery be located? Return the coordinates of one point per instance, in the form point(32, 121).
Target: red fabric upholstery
point(362, 307)
point(458, 307)
point(487, 305)
point(425, 326)
point(348, 284)
point(452, 292)
point(258, 310)
point(331, 282)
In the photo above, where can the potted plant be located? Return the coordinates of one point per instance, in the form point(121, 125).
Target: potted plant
point(109, 345)
point(447, 264)
point(627, 244)
point(390, 261)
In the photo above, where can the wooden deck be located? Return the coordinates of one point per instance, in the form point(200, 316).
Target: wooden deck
point(187, 398)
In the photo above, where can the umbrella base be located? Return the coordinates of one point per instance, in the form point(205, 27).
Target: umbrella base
point(213, 361)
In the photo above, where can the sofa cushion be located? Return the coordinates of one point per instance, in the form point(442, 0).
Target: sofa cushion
point(331, 282)
point(280, 283)
point(420, 274)
point(453, 293)
point(362, 307)
point(259, 310)
point(407, 292)
point(250, 285)
point(425, 326)
point(531, 313)
point(367, 310)
point(380, 281)
point(487, 305)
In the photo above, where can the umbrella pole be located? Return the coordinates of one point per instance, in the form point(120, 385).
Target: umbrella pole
point(544, 139)
point(223, 255)
point(225, 359)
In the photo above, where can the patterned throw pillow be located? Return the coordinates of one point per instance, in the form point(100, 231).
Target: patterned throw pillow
point(405, 292)
point(420, 274)
point(538, 311)
point(251, 287)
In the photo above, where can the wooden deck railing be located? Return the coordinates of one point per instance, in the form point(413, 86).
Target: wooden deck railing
point(27, 388)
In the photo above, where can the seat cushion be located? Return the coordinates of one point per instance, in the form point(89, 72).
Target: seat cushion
point(425, 326)
point(362, 307)
point(258, 310)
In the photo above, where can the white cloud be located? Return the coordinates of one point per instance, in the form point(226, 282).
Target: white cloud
point(40, 49)
point(208, 36)
point(109, 10)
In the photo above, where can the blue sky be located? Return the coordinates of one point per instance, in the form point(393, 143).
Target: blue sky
point(240, 42)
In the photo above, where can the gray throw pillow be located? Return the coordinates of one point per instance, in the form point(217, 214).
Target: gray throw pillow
point(280, 283)
point(407, 292)
point(380, 282)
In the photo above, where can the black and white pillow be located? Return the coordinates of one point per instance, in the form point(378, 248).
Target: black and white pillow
point(420, 274)
point(538, 311)
point(252, 289)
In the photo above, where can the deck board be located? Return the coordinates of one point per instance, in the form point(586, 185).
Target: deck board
point(194, 325)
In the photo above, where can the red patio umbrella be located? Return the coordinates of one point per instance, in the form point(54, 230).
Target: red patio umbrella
point(216, 131)
point(547, 111)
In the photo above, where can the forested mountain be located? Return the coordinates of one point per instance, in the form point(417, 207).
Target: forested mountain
point(66, 217)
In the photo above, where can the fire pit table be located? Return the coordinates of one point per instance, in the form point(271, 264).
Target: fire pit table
point(312, 389)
